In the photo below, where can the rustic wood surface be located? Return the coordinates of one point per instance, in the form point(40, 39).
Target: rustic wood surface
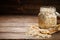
point(29, 7)
point(14, 27)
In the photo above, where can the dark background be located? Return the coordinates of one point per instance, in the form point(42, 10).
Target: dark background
point(25, 7)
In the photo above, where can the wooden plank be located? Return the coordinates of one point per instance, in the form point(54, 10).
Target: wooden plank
point(16, 24)
point(23, 36)
point(13, 29)
point(18, 19)
point(12, 36)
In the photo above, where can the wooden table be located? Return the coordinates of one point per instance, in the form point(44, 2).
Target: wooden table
point(14, 27)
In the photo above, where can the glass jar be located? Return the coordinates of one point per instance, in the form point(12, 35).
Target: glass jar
point(47, 17)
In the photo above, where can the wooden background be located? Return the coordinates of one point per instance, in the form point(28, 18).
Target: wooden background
point(25, 7)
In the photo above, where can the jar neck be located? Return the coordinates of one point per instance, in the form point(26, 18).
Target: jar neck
point(48, 9)
point(48, 13)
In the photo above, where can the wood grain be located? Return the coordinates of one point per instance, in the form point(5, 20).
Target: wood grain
point(15, 27)
point(29, 7)
point(12, 36)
